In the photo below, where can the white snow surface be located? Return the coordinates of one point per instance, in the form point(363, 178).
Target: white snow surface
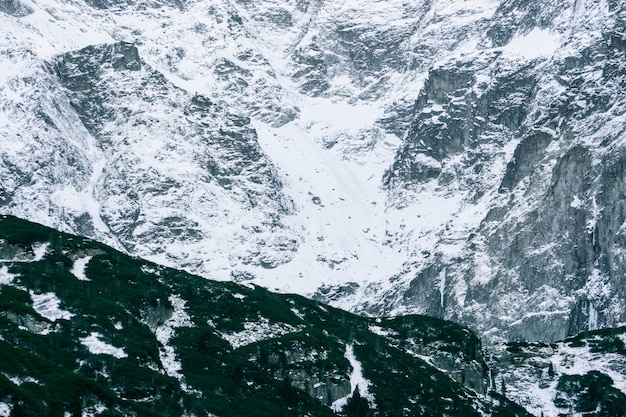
point(96, 346)
point(6, 278)
point(78, 269)
point(256, 331)
point(5, 409)
point(47, 305)
point(164, 333)
point(535, 44)
point(357, 380)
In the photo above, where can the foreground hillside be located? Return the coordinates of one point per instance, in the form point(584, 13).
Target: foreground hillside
point(87, 330)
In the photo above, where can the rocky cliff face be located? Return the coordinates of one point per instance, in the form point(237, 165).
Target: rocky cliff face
point(156, 194)
point(532, 140)
point(459, 160)
point(582, 375)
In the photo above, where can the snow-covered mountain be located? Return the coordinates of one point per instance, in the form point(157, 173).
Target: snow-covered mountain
point(457, 159)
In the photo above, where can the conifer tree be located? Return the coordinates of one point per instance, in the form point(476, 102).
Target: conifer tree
point(357, 406)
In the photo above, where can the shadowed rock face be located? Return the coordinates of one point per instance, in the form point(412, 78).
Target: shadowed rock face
point(110, 88)
point(14, 8)
point(553, 235)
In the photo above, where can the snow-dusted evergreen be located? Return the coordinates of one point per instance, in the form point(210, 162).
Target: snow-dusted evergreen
point(136, 338)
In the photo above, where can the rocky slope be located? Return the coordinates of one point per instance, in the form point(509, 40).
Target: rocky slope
point(86, 330)
point(458, 160)
point(584, 375)
point(526, 136)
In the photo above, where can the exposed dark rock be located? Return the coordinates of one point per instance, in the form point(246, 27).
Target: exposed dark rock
point(14, 8)
point(525, 159)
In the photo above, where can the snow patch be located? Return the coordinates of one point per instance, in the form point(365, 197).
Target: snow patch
point(165, 332)
point(257, 331)
point(40, 251)
point(78, 269)
point(483, 271)
point(80, 202)
point(96, 346)
point(357, 380)
point(380, 331)
point(297, 313)
point(597, 288)
point(19, 381)
point(94, 410)
point(47, 305)
point(5, 409)
point(537, 43)
point(6, 278)
point(341, 218)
